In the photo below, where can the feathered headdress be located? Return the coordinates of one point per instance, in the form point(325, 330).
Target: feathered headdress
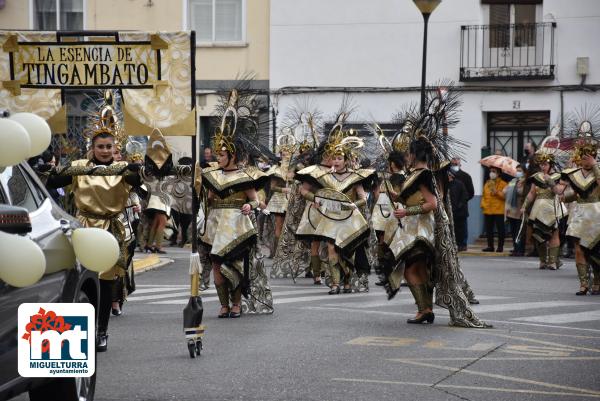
point(432, 126)
point(583, 130)
point(341, 141)
point(106, 121)
point(305, 121)
point(243, 128)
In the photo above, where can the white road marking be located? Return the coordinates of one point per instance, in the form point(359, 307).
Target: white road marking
point(276, 298)
point(564, 317)
point(400, 301)
point(526, 306)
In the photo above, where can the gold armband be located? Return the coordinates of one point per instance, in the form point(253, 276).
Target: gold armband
point(309, 196)
point(596, 170)
point(360, 202)
point(413, 210)
point(254, 204)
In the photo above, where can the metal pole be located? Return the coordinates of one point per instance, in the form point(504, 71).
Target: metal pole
point(194, 154)
point(424, 67)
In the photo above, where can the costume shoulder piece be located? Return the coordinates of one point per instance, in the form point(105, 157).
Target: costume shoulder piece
point(415, 179)
point(210, 168)
point(538, 179)
point(225, 184)
point(275, 171)
point(330, 180)
point(581, 184)
point(312, 175)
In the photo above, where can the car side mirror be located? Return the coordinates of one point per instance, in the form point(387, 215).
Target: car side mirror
point(14, 220)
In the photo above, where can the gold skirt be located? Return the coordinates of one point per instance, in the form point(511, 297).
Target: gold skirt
point(382, 214)
point(585, 224)
point(344, 233)
point(156, 203)
point(544, 212)
point(278, 203)
point(307, 226)
point(415, 235)
point(226, 231)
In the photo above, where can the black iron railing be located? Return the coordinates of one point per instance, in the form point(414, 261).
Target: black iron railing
point(507, 52)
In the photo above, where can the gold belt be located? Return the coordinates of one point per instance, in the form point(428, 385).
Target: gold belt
point(95, 216)
point(545, 196)
point(226, 204)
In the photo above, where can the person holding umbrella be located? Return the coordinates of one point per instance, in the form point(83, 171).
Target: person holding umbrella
point(492, 206)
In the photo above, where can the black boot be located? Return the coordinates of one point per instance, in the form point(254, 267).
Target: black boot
point(102, 342)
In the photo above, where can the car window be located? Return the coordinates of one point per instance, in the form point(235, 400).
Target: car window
point(39, 194)
point(18, 190)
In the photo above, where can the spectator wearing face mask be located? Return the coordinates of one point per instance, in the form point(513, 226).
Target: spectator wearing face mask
point(467, 181)
point(492, 206)
point(514, 194)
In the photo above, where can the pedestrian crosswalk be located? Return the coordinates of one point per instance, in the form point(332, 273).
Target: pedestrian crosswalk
point(565, 311)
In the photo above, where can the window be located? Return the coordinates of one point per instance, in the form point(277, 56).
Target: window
point(18, 189)
point(524, 28)
point(499, 21)
point(522, 16)
point(217, 20)
point(52, 15)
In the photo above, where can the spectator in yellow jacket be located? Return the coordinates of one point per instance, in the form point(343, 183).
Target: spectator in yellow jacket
point(492, 206)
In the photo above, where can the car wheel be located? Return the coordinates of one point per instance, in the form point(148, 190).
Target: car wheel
point(68, 388)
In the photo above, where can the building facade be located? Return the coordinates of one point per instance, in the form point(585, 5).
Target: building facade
point(232, 39)
point(521, 64)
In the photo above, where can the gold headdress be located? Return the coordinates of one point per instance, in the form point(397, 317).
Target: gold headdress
point(584, 128)
point(106, 121)
point(135, 152)
point(336, 135)
point(286, 142)
point(224, 134)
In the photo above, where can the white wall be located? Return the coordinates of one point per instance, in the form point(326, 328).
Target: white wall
point(378, 43)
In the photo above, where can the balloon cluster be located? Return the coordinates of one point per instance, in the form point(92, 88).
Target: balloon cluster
point(22, 261)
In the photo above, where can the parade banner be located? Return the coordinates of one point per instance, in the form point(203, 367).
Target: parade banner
point(95, 65)
point(154, 70)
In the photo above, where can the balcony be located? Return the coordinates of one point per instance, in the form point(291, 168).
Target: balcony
point(507, 52)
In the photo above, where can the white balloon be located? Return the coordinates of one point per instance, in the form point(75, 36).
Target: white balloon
point(96, 249)
point(38, 130)
point(16, 144)
point(22, 262)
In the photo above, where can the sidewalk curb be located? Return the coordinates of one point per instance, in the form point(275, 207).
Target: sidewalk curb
point(151, 262)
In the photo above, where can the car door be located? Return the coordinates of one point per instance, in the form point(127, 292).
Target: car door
point(19, 189)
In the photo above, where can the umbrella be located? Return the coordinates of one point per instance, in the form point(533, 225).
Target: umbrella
point(504, 163)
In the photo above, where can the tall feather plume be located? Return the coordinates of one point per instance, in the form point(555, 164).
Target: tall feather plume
point(442, 108)
point(253, 126)
point(304, 119)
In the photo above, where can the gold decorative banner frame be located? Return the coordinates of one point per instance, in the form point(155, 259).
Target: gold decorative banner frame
point(60, 65)
point(154, 70)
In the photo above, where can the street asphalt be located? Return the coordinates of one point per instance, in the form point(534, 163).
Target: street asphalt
point(545, 344)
